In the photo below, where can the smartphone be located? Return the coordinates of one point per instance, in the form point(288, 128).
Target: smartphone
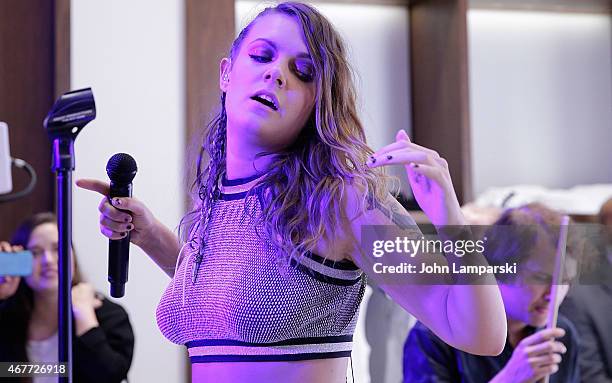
point(6, 180)
point(16, 264)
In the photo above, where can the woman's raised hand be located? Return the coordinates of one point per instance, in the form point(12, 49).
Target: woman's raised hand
point(428, 176)
point(122, 216)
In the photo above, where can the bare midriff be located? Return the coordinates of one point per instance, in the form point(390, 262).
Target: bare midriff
point(306, 371)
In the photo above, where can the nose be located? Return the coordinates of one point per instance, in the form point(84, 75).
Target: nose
point(49, 257)
point(275, 74)
point(548, 293)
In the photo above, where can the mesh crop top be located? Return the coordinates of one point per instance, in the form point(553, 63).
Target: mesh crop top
point(244, 306)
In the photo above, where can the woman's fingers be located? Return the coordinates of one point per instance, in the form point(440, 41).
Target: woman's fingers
point(8, 248)
point(402, 135)
point(119, 215)
point(419, 173)
point(130, 204)
point(113, 213)
point(401, 141)
point(114, 223)
point(119, 227)
point(418, 163)
point(403, 144)
point(398, 157)
point(5, 247)
point(94, 185)
point(407, 156)
point(123, 203)
point(391, 147)
point(112, 234)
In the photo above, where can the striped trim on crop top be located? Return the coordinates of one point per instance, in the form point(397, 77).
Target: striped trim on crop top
point(226, 350)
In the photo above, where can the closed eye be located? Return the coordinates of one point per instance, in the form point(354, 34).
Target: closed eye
point(304, 70)
point(260, 59)
point(36, 252)
point(304, 75)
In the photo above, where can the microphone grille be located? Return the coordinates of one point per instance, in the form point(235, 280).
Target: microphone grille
point(121, 168)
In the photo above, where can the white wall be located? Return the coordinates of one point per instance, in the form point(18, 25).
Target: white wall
point(131, 54)
point(540, 98)
point(377, 40)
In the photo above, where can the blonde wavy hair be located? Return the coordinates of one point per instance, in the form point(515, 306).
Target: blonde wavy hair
point(306, 182)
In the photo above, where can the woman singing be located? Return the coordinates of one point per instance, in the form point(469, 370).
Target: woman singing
point(268, 275)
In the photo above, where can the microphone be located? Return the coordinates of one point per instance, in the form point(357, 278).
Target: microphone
point(121, 169)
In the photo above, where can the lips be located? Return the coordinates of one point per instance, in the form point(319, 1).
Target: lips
point(542, 309)
point(266, 98)
point(48, 273)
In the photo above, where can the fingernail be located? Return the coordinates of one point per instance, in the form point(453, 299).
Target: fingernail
point(130, 226)
point(123, 234)
point(127, 219)
point(389, 157)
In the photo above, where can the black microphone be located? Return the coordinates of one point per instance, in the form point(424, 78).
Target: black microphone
point(121, 170)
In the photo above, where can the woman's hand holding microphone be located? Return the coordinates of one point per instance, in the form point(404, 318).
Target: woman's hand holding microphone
point(127, 214)
point(121, 215)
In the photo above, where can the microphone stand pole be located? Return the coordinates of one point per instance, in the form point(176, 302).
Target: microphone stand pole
point(63, 166)
point(70, 113)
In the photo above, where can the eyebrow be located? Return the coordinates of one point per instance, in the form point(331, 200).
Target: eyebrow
point(270, 42)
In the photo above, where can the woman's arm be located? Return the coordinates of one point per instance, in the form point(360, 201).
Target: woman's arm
point(130, 215)
point(162, 246)
point(470, 317)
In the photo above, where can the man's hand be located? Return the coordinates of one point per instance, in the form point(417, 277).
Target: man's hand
point(533, 358)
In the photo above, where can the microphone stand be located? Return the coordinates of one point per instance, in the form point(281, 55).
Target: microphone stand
point(63, 166)
point(70, 113)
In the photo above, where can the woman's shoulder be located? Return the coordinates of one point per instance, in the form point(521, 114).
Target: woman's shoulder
point(363, 207)
point(359, 209)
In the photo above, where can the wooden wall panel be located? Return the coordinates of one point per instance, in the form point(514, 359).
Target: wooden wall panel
point(439, 73)
point(27, 91)
point(62, 47)
point(209, 34)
